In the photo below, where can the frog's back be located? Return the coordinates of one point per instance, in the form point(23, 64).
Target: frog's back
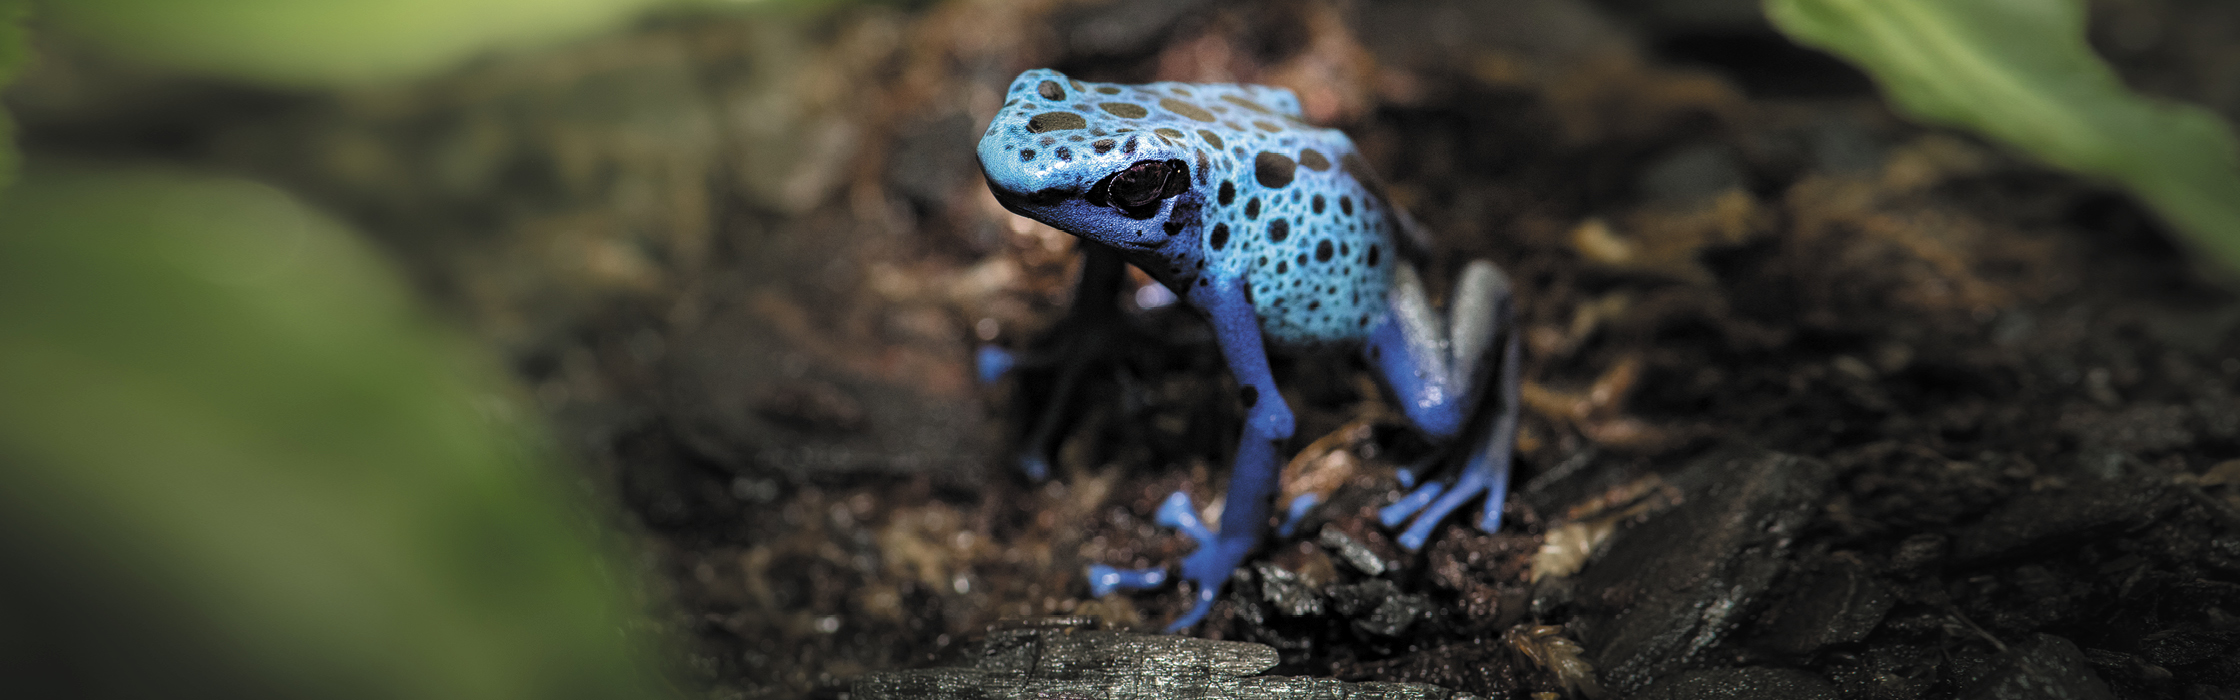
point(1288, 206)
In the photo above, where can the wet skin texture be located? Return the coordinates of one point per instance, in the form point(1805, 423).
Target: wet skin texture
point(1277, 232)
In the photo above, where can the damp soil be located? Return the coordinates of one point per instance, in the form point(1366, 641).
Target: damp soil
point(1820, 403)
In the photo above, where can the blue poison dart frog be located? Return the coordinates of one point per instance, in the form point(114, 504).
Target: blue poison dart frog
point(1278, 233)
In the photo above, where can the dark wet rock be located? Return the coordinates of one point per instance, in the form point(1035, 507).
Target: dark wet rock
point(1753, 683)
point(1058, 661)
point(2182, 646)
point(1350, 551)
point(2044, 668)
point(1889, 671)
point(1282, 590)
point(1838, 604)
point(2223, 672)
point(1378, 608)
point(1920, 551)
point(2205, 692)
point(1669, 589)
point(2039, 521)
point(2127, 674)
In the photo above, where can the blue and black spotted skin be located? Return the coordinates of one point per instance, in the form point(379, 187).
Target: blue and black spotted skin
point(1276, 231)
point(1263, 196)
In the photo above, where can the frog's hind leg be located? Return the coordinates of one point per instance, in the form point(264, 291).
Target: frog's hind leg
point(1486, 471)
point(1443, 378)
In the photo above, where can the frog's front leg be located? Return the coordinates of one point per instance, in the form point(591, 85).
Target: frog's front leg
point(1252, 481)
point(1439, 370)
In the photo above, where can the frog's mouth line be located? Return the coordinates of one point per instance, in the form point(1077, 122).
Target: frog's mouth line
point(1049, 196)
point(1042, 198)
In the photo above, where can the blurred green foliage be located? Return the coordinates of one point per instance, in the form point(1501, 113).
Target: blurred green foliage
point(15, 49)
point(325, 42)
point(241, 462)
point(2021, 72)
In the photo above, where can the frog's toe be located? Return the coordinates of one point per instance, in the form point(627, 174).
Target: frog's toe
point(1198, 610)
point(1297, 511)
point(1489, 520)
point(993, 362)
point(1103, 580)
point(1035, 466)
point(1206, 569)
point(1419, 531)
point(1486, 475)
point(1399, 511)
point(1177, 512)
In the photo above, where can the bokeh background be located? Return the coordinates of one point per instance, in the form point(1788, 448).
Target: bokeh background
point(623, 348)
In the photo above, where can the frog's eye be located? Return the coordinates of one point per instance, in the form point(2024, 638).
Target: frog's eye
point(1140, 184)
point(1145, 183)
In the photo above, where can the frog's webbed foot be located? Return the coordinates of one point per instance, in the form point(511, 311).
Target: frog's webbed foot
point(1219, 553)
point(1438, 370)
point(1485, 473)
point(1206, 569)
point(1064, 359)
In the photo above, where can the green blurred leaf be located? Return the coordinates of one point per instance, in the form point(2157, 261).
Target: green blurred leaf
point(241, 462)
point(15, 49)
point(327, 42)
point(2021, 72)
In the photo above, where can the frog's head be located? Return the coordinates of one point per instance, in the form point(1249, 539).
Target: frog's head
point(1110, 163)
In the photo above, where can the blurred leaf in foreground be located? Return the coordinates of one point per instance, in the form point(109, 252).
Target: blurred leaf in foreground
point(241, 463)
point(326, 42)
point(2020, 71)
point(14, 50)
